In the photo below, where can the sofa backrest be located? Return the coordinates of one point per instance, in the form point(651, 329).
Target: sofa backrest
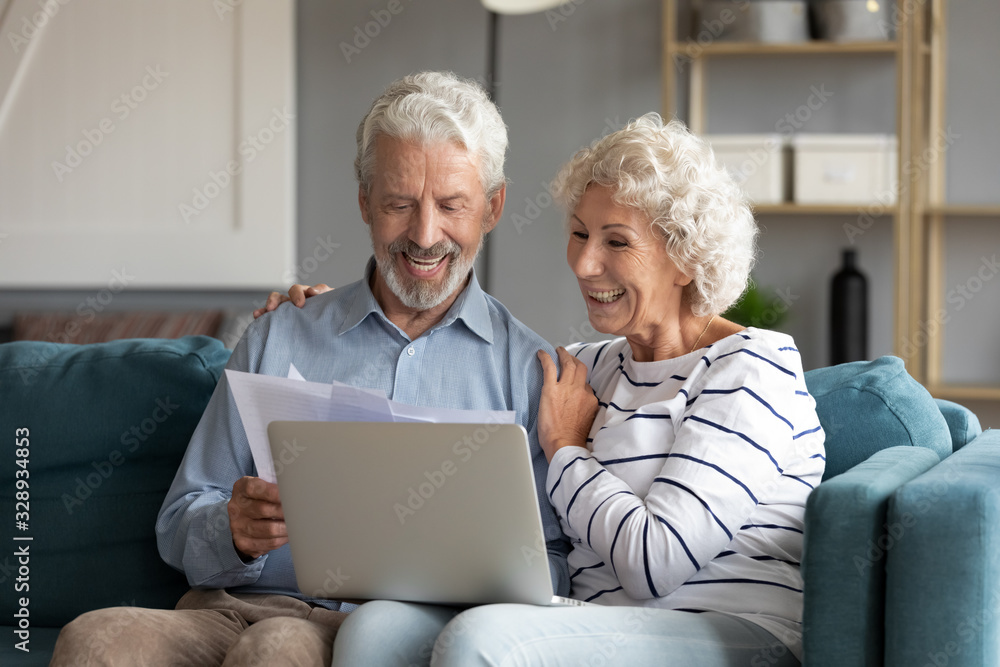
point(867, 406)
point(105, 428)
point(962, 422)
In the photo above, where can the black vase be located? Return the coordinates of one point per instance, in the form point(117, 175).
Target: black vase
point(848, 312)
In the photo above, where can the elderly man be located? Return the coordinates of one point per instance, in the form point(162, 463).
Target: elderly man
point(431, 185)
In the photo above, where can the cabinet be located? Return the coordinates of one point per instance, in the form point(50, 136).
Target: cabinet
point(918, 218)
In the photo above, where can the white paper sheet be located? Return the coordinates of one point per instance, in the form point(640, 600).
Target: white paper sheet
point(262, 399)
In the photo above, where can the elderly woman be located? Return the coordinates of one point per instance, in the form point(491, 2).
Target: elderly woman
point(681, 452)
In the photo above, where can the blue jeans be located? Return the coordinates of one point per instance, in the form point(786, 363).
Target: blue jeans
point(406, 634)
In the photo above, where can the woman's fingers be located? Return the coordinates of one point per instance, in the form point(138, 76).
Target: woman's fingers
point(572, 369)
point(321, 288)
point(297, 294)
point(549, 371)
point(274, 299)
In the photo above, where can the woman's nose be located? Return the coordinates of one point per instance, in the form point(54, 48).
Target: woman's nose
point(584, 259)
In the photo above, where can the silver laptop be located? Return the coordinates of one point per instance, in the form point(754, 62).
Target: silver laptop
point(437, 513)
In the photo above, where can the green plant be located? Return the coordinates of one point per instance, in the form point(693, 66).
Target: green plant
point(759, 307)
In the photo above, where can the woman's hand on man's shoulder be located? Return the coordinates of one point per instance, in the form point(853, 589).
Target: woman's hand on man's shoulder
point(297, 294)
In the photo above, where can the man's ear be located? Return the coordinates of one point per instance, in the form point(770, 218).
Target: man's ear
point(496, 209)
point(363, 204)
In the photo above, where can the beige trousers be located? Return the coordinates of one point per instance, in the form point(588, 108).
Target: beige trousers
point(208, 627)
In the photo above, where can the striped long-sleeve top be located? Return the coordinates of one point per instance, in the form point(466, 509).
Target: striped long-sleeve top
point(691, 491)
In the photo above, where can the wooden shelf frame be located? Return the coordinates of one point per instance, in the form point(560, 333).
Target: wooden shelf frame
point(964, 211)
point(692, 49)
point(904, 48)
point(934, 214)
point(964, 392)
point(920, 216)
point(791, 208)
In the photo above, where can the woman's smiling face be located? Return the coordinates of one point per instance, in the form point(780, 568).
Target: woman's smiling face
point(630, 285)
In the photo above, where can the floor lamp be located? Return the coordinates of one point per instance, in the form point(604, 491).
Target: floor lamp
point(495, 8)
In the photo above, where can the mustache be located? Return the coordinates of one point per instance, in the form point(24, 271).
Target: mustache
point(437, 250)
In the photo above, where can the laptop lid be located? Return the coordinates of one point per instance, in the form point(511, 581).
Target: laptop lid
point(437, 513)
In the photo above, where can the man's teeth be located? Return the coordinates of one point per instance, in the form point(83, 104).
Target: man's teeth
point(607, 297)
point(422, 264)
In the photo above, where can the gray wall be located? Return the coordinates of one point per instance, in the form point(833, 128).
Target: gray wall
point(563, 83)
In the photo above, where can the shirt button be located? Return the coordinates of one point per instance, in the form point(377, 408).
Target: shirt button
point(411, 351)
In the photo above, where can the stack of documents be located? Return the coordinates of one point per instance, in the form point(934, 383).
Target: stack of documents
point(262, 399)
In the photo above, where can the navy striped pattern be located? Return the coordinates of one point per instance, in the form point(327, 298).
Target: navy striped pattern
point(691, 491)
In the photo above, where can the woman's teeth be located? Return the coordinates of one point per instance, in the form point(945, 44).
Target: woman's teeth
point(606, 297)
point(421, 264)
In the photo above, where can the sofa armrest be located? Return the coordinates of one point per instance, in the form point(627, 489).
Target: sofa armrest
point(943, 575)
point(843, 564)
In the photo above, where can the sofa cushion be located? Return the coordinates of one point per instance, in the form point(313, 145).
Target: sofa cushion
point(962, 422)
point(106, 426)
point(866, 406)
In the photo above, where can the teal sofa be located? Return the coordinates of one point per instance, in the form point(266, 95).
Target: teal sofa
point(106, 426)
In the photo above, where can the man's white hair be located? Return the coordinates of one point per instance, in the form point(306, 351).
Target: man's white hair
point(671, 176)
point(433, 107)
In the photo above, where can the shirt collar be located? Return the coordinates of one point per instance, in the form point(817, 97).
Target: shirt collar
point(471, 307)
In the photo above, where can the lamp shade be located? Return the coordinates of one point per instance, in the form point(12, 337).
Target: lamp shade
point(520, 6)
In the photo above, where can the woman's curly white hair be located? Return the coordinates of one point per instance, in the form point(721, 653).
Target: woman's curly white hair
point(672, 177)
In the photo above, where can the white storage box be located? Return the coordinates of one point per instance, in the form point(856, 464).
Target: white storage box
point(844, 169)
point(756, 162)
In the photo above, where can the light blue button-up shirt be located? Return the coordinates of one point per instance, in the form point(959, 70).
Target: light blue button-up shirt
point(478, 357)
